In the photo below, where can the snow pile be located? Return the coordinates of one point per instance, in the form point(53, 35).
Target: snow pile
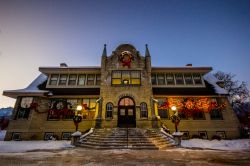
point(78, 133)
point(239, 144)
point(23, 146)
point(211, 79)
point(2, 134)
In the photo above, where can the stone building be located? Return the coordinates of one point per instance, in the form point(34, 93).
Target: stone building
point(125, 91)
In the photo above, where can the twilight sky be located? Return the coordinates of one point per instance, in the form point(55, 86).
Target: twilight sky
point(37, 33)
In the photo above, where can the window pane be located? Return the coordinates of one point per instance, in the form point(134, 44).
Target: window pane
point(86, 102)
point(26, 102)
point(63, 79)
point(144, 110)
point(53, 79)
point(163, 113)
point(199, 116)
point(153, 79)
point(170, 79)
point(98, 79)
point(197, 79)
point(116, 81)
point(81, 79)
point(188, 79)
point(161, 79)
point(72, 79)
point(135, 81)
point(135, 74)
point(179, 79)
point(116, 74)
point(91, 78)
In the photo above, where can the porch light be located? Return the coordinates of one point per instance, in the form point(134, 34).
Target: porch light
point(173, 108)
point(79, 108)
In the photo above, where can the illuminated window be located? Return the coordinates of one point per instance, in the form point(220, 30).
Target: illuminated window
point(63, 79)
point(72, 79)
point(109, 110)
point(179, 79)
point(90, 79)
point(53, 79)
point(81, 79)
point(126, 78)
point(170, 79)
point(188, 79)
point(161, 79)
point(144, 110)
point(197, 79)
point(126, 102)
point(135, 77)
point(98, 79)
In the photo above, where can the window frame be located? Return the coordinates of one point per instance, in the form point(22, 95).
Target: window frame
point(13, 135)
point(71, 80)
point(48, 133)
point(66, 138)
point(53, 79)
point(143, 110)
point(63, 82)
point(109, 111)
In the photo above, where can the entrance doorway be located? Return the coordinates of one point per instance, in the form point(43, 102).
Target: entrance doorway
point(126, 112)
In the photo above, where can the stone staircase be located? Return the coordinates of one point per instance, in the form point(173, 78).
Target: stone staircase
point(126, 138)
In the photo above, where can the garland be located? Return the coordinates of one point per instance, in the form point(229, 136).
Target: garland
point(192, 105)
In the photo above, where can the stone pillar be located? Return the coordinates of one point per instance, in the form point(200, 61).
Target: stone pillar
point(99, 115)
point(154, 118)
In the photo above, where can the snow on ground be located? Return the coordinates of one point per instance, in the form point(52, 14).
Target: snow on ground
point(23, 146)
point(2, 134)
point(240, 144)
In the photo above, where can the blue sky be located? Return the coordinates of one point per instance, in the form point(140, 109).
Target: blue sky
point(37, 33)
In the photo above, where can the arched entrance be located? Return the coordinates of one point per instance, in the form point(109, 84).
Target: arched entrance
point(126, 112)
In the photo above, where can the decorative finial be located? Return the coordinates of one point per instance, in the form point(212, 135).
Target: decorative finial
point(104, 53)
point(147, 54)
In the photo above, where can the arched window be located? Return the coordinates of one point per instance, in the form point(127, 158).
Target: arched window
point(144, 110)
point(109, 110)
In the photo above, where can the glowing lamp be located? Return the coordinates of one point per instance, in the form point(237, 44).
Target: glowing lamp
point(173, 108)
point(79, 108)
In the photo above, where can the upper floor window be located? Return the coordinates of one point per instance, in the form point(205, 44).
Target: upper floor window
point(81, 79)
point(91, 79)
point(179, 79)
point(63, 79)
point(109, 110)
point(98, 79)
point(170, 79)
point(188, 79)
point(161, 79)
point(53, 79)
point(126, 77)
point(144, 110)
point(153, 79)
point(72, 79)
point(197, 79)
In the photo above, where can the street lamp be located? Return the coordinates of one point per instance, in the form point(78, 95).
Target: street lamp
point(175, 118)
point(78, 116)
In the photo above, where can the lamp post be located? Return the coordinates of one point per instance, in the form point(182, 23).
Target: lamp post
point(78, 116)
point(175, 118)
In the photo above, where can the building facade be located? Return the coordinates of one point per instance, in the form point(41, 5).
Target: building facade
point(125, 91)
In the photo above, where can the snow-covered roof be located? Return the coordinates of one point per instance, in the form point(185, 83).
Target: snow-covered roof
point(32, 89)
point(211, 79)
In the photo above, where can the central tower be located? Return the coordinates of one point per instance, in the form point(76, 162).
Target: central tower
point(126, 89)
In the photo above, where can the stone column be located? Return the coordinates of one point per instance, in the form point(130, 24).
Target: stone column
point(99, 115)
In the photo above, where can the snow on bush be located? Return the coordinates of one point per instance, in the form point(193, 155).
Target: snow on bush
point(239, 144)
point(23, 146)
